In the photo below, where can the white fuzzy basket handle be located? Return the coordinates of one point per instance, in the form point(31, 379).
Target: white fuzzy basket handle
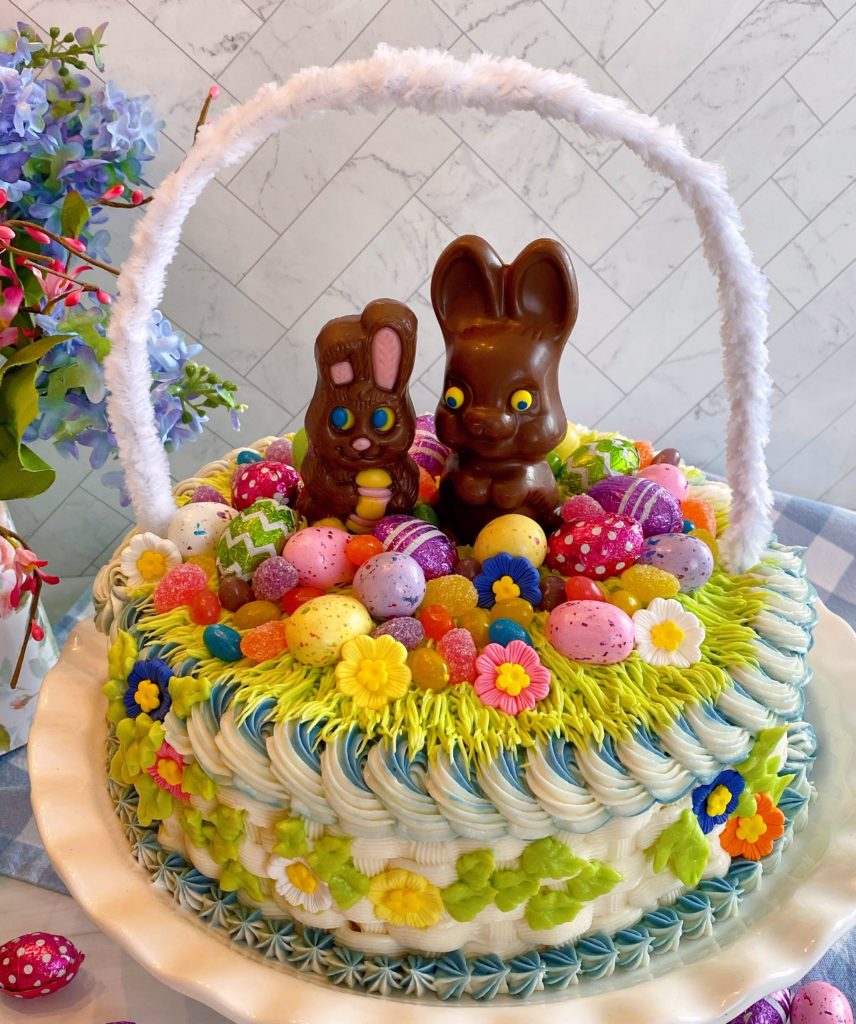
point(433, 81)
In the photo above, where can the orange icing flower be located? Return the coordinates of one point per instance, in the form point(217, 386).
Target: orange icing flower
point(753, 837)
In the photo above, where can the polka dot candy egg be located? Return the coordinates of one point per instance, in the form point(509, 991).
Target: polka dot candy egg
point(37, 964)
point(595, 547)
point(263, 480)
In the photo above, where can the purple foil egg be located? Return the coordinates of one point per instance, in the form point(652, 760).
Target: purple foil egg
point(407, 535)
point(426, 422)
point(37, 964)
point(405, 629)
point(428, 452)
point(648, 503)
point(773, 1009)
point(205, 493)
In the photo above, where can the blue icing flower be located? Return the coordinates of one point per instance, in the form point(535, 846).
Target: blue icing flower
point(507, 576)
point(714, 803)
point(148, 689)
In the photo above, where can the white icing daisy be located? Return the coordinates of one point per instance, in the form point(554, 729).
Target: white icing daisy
point(666, 634)
point(147, 559)
point(298, 884)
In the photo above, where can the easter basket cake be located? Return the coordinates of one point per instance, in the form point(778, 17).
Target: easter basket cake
point(480, 703)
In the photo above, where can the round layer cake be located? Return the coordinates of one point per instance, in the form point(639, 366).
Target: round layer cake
point(414, 766)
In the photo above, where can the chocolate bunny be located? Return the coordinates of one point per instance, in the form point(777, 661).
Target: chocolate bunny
point(360, 421)
point(505, 328)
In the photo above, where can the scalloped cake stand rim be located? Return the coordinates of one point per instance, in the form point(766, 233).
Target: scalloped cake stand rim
point(780, 933)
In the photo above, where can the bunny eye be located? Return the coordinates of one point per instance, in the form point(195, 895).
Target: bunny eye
point(383, 418)
point(521, 400)
point(454, 398)
point(342, 418)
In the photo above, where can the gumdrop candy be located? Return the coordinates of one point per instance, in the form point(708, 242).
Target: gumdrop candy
point(503, 631)
point(259, 480)
point(455, 593)
point(595, 547)
point(428, 485)
point(646, 453)
point(700, 513)
point(265, 641)
point(205, 493)
point(280, 451)
point(458, 649)
point(436, 621)
point(234, 592)
point(646, 582)
point(178, 586)
point(581, 506)
point(223, 642)
point(477, 623)
point(581, 588)
point(552, 592)
point(428, 669)
point(409, 632)
point(255, 613)
point(274, 578)
point(518, 609)
point(361, 548)
point(204, 607)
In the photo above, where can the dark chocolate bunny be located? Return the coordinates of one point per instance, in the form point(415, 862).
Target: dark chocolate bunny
point(360, 421)
point(505, 328)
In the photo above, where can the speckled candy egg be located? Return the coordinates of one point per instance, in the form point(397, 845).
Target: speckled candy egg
point(669, 477)
point(318, 555)
point(686, 558)
point(423, 542)
point(390, 584)
point(37, 964)
point(317, 630)
point(820, 1003)
point(263, 480)
point(513, 534)
point(253, 536)
point(195, 528)
point(597, 547)
point(597, 460)
point(592, 631)
point(648, 503)
point(772, 1009)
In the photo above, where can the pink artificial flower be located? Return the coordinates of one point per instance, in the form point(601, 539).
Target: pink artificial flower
point(214, 92)
point(103, 296)
point(12, 298)
point(75, 244)
point(73, 298)
point(9, 588)
point(137, 197)
point(3, 197)
point(37, 235)
point(6, 235)
point(511, 678)
point(7, 554)
point(9, 336)
point(114, 192)
point(168, 771)
point(52, 285)
point(28, 563)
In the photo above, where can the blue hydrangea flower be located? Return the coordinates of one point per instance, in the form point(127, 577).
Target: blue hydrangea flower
point(506, 576)
point(148, 682)
point(714, 803)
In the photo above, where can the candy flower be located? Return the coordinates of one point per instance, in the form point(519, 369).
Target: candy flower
point(504, 577)
point(404, 898)
point(147, 559)
point(148, 689)
point(668, 635)
point(511, 678)
point(753, 837)
point(168, 771)
point(298, 884)
point(714, 803)
point(373, 671)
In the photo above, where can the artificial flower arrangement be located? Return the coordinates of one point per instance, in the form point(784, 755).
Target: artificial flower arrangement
point(21, 573)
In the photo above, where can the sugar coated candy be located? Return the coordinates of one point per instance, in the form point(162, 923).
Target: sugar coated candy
point(406, 629)
point(265, 641)
point(428, 669)
point(595, 632)
point(280, 451)
point(257, 480)
point(254, 613)
point(206, 493)
point(458, 649)
point(318, 630)
point(647, 502)
point(320, 556)
point(645, 582)
point(597, 460)
point(596, 548)
point(708, 539)
point(646, 453)
point(222, 642)
point(390, 584)
point(580, 506)
point(455, 593)
point(253, 536)
point(407, 535)
point(37, 965)
point(700, 513)
point(273, 578)
point(178, 586)
point(671, 478)
point(687, 558)
point(514, 535)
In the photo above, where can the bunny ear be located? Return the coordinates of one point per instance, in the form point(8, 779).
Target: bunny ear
point(541, 289)
point(391, 332)
point(467, 284)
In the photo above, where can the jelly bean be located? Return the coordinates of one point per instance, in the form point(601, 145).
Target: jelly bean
point(555, 462)
point(455, 593)
point(299, 447)
point(624, 600)
point(206, 563)
point(646, 582)
point(293, 599)
point(222, 642)
point(178, 586)
point(518, 609)
point(336, 524)
point(579, 588)
point(204, 608)
point(234, 592)
point(646, 453)
point(361, 548)
point(552, 592)
point(468, 567)
point(687, 526)
point(458, 649)
point(700, 513)
point(428, 669)
point(610, 585)
point(436, 621)
point(707, 538)
point(426, 514)
point(581, 506)
point(274, 578)
point(405, 629)
point(667, 457)
point(477, 623)
point(248, 455)
point(265, 641)
point(255, 613)
point(503, 631)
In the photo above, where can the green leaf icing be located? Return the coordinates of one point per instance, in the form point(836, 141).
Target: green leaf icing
point(348, 886)
point(197, 782)
point(291, 838)
point(330, 855)
point(512, 888)
point(464, 902)
point(187, 691)
point(683, 848)
point(476, 868)
point(155, 803)
point(139, 741)
point(235, 876)
point(595, 879)
point(549, 858)
point(761, 772)
point(550, 908)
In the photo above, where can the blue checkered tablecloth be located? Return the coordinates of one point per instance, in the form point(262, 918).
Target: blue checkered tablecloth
point(827, 533)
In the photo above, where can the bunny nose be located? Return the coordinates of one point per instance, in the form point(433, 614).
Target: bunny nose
point(361, 443)
point(488, 423)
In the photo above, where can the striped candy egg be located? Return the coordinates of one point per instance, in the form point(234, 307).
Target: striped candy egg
point(428, 452)
point(596, 547)
point(648, 503)
point(425, 544)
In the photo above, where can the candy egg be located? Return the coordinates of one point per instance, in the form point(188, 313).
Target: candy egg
point(595, 547)
point(820, 1003)
point(263, 480)
point(687, 558)
point(407, 535)
point(426, 451)
point(319, 554)
point(196, 527)
point(513, 534)
point(669, 477)
point(772, 1009)
point(37, 964)
point(253, 536)
point(390, 584)
point(317, 630)
point(591, 631)
point(651, 505)
point(597, 460)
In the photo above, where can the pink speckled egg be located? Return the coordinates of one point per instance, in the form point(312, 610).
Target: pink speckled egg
point(390, 584)
point(685, 557)
point(592, 631)
point(37, 964)
point(597, 547)
point(407, 535)
point(318, 555)
point(671, 478)
point(647, 502)
point(820, 1003)
point(263, 480)
point(773, 1009)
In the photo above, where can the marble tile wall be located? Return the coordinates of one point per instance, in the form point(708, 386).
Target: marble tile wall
point(338, 210)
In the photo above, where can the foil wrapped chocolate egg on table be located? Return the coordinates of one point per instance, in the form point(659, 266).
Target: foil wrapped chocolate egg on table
point(37, 964)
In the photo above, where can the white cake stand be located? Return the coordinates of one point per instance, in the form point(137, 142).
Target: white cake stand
point(780, 933)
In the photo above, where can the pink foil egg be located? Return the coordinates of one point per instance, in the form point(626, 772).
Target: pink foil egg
point(390, 585)
point(820, 1003)
point(669, 477)
point(773, 1009)
point(37, 964)
point(597, 547)
point(595, 632)
point(423, 542)
point(263, 480)
point(643, 500)
point(318, 555)
point(686, 557)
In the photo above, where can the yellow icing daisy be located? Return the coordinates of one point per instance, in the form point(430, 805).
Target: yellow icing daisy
point(373, 671)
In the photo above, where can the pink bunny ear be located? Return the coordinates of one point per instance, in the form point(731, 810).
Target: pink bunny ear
point(386, 357)
point(342, 373)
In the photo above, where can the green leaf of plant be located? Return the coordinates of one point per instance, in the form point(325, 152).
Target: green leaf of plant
point(75, 214)
point(5, 739)
point(24, 473)
point(83, 324)
point(32, 352)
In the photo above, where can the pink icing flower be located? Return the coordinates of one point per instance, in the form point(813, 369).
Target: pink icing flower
point(511, 678)
point(168, 771)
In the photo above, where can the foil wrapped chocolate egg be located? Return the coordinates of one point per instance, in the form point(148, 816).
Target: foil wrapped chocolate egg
point(596, 461)
point(424, 543)
point(772, 1009)
point(643, 500)
point(257, 480)
point(37, 964)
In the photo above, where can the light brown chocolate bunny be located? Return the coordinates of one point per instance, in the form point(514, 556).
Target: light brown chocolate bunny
point(360, 421)
point(505, 327)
